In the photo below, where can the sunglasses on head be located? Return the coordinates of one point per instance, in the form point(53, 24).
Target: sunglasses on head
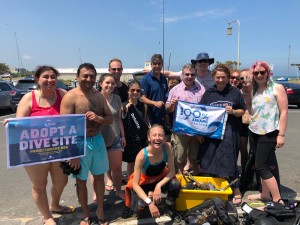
point(259, 72)
point(233, 77)
point(116, 69)
point(189, 74)
point(135, 90)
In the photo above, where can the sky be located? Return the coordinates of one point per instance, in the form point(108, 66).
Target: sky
point(64, 33)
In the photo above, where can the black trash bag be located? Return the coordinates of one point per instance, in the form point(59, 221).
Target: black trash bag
point(67, 169)
point(214, 211)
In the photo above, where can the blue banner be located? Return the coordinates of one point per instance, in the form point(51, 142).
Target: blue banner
point(200, 120)
point(42, 139)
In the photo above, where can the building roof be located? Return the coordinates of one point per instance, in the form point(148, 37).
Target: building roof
point(99, 70)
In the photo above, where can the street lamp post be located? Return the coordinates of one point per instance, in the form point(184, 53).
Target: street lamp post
point(229, 32)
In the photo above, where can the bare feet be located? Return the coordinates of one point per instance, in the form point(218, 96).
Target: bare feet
point(49, 221)
point(259, 197)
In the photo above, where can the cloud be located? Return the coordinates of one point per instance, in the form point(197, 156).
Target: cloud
point(214, 13)
point(27, 57)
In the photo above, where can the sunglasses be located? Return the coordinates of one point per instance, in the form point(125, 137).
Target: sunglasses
point(203, 61)
point(116, 69)
point(242, 78)
point(135, 90)
point(233, 77)
point(259, 72)
point(189, 74)
point(156, 63)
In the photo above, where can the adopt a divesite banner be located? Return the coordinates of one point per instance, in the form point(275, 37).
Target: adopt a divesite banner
point(42, 139)
point(200, 120)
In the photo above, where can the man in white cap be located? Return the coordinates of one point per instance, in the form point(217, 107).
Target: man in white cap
point(202, 62)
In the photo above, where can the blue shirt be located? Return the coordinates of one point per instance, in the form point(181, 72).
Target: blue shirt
point(155, 90)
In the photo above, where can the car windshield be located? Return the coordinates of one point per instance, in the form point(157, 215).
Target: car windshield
point(26, 85)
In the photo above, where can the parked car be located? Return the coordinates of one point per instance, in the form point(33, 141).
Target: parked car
point(293, 92)
point(26, 85)
point(6, 89)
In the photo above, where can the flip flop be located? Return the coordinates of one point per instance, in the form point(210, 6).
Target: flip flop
point(104, 221)
point(237, 199)
point(89, 221)
point(65, 210)
point(109, 187)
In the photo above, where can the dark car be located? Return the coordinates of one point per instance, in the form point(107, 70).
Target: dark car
point(26, 85)
point(293, 92)
point(6, 89)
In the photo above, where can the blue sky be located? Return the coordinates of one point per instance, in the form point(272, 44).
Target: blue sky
point(60, 32)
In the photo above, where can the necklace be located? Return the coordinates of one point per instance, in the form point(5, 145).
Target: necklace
point(53, 98)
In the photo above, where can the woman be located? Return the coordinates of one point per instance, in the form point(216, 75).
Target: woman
point(153, 170)
point(219, 157)
point(45, 101)
point(268, 109)
point(113, 135)
point(235, 78)
point(245, 78)
point(136, 134)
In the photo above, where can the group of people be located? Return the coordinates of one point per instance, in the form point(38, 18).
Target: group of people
point(129, 123)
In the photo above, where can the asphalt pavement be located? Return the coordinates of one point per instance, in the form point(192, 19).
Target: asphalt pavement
point(17, 207)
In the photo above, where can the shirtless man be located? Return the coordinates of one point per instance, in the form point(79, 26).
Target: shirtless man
point(83, 100)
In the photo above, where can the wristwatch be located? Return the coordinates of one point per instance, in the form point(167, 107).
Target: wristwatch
point(148, 201)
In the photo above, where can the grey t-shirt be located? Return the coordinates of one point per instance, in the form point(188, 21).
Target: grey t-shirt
point(111, 133)
point(207, 81)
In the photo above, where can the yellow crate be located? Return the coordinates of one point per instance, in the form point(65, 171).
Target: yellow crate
point(189, 198)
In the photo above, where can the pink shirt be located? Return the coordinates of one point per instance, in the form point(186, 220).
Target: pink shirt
point(192, 95)
point(45, 111)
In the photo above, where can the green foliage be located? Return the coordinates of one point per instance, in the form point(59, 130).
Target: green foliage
point(4, 68)
point(229, 64)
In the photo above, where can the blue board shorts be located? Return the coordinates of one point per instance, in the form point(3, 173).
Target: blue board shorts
point(96, 159)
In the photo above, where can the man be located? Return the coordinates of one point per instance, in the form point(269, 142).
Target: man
point(190, 91)
point(115, 68)
point(84, 100)
point(154, 88)
point(202, 62)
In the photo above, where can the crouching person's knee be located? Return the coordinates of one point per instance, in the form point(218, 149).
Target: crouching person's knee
point(173, 191)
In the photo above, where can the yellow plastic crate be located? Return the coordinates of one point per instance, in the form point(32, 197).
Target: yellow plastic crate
point(189, 198)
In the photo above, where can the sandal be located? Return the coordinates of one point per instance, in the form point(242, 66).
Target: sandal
point(101, 222)
point(87, 221)
point(237, 200)
point(109, 187)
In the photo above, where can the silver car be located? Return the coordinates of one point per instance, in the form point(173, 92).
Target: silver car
point(5, 94)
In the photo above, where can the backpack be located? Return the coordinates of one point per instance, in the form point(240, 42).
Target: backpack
point(274, 213)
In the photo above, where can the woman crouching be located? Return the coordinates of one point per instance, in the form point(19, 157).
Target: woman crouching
point(154, 172)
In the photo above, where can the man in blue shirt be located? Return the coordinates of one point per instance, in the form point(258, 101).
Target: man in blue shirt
point(154, 88)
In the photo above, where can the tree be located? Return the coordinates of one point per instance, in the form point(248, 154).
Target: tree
point(4, 68)
point(229, 64)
